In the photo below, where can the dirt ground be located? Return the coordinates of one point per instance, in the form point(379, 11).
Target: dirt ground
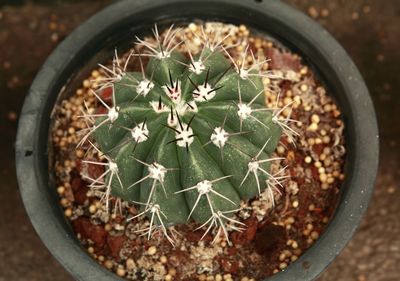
point(369, 31)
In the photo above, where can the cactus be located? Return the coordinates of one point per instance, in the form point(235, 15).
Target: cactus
point(188, 137)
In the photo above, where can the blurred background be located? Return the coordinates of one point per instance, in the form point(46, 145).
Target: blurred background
point(368, 30)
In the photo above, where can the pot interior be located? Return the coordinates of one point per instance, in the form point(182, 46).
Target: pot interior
point(87, 49)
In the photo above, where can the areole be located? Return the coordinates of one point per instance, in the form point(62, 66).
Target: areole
point(274, 18)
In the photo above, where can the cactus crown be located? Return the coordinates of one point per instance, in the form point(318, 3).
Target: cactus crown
point(187, 137)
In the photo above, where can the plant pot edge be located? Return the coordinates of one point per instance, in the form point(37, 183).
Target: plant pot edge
point(30, 153)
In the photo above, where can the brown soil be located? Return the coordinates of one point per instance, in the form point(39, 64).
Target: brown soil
point(274, 237)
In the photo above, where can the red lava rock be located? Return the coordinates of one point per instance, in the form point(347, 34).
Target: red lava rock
point(115, 244)
point(135, 243)
point(253, 48)
point(94, 171)
point(80, 195)
point(229, 266)
point(79, 189)
point(177, 257)
point(317, 210)
point(133, 210)
point(81, 225)
point(317, 148)
point(299, 180)
point(286, 85)
point(314, 172)
point(248, 234)
point(285, 141)
point(195, 236)
point(270, 238)
point(299, 158)
point(77, 183)
point(231, 251)
point(78, 163)
point(101, 110)
point(282, 61)
point(96, 233)
point(295, 115)
point(106, 94)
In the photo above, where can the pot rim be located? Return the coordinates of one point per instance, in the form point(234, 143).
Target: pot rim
point(298, 31)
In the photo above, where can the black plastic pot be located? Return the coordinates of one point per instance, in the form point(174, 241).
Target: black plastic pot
point(127, 18)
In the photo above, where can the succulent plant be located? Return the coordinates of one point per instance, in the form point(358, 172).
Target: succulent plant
point(187, 137)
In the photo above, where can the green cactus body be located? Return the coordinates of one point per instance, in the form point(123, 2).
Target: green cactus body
point(190, 136)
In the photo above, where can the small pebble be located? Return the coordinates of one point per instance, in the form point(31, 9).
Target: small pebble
point(192, 26)
point(108, 264)
point(304, 70)
point(366, 9)
point(283, 265)
point(280, 149)
point(121, 272)
point(68, 212)
point(92, 209)
point(79, 153)
point(315, 118)
point(326, 139)
point(108, 227)
point(227, 276)
point(130, 264)
point(313, 127)
point(95, 73)
point(152, 250)
point(86, 83)
point(314, 235)
point(313, 12)
point(355, 16)
point(325, 12)
point(54, 37)
point(172, 271)
point(303, 87)
point(12, 116)
point(60, 190)
point(71, 130)
point(64, 202)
